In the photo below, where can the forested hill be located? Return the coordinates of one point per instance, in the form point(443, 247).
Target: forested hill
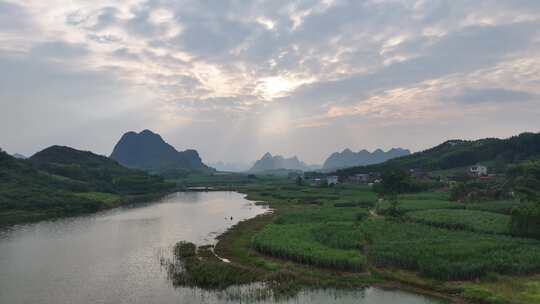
point(460, 153)
point(98, 173)
point(64, 181)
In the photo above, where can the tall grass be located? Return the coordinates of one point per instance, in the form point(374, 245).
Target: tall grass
point(471, 220)
point(448, 255)
point(297, 242)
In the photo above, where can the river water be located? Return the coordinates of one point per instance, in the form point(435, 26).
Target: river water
point(114, 256)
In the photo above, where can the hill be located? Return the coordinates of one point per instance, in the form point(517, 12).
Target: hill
point(271, 163)
point(61, 181)
point(348, 158)
point(96, 172)
point(497, 153)
point(149, 152)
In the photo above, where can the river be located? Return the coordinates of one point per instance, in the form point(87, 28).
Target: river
point(114, 256)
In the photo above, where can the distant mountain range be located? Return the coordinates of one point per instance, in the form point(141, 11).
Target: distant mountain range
point(149, 152)
point(494, 152)
point(269, 163)
point(348, 158)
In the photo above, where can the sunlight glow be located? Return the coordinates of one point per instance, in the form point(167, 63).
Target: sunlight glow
point(273, 87)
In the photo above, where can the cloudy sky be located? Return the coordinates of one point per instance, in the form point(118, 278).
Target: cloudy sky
point(234, 79)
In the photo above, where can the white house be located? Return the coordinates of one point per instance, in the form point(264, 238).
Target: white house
point(478, 170)
point(332, 180)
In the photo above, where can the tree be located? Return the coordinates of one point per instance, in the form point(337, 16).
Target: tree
point(393, 183)
point(525, 220)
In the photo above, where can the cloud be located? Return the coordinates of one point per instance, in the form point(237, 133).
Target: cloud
point(493, 95)
point(13, 18)
point(347, 73)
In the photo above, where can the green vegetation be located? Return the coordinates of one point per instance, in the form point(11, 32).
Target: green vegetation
point(107, 199)
point(471, 220)
point(194, 266)
point(526, 218)
point(448, 255)
point(95, 173)
point(407, 205)
point(298, 242)
point(503, 206)
point(61, 181)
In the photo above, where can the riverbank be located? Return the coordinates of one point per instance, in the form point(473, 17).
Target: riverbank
point(106, 201)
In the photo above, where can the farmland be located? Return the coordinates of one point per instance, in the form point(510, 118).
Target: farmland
point(297, 242)
point(448, 255)
point(343, 236)
point(460, 219)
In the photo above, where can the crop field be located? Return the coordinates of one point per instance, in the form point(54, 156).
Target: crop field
point(448, 255)
point(340, 235)
point(322, 215)
point(471, 220)
point(504, 207)
point(298, 243)
point(441, 196)
point(407, 205)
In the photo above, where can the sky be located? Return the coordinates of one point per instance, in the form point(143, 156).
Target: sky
point(235, 79)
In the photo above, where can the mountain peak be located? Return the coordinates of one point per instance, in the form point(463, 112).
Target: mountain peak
point(147, 132)
point(269, 162)
point(148, 151)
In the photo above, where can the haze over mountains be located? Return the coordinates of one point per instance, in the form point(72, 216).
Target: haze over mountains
point(348, 158)
point(148, 151)
point(269, 162)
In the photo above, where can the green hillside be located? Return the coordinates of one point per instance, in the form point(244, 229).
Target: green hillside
point(498, 153)
point(63, 181)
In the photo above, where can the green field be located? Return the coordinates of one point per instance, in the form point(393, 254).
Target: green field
point(472, 220)
point(503, 206)
point(448, 255)
point(407, 205)
point(297, 242)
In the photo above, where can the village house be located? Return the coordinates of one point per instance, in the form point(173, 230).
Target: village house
point(478, 171)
